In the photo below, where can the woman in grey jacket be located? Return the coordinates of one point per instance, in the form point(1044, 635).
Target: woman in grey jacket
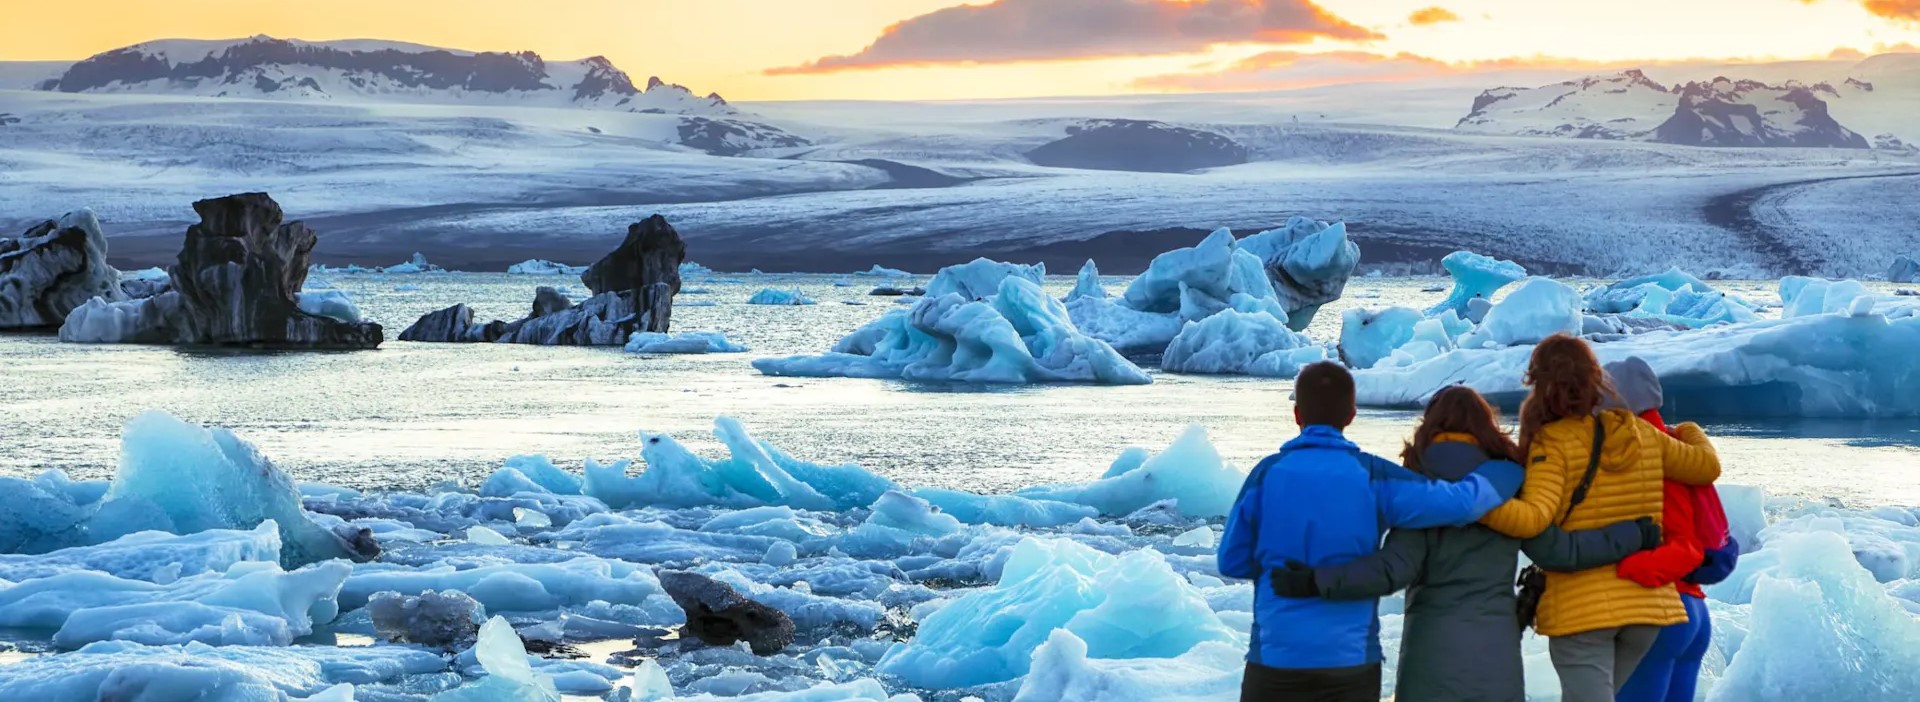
point(1461, 637)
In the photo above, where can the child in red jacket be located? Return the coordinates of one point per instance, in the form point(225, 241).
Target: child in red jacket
point(1695, 550)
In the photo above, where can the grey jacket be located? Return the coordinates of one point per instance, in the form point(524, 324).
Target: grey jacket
point(1461, 640)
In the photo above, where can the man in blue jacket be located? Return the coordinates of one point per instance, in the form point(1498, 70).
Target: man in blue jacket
point(1322, 501)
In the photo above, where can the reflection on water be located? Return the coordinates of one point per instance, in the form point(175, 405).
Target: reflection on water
point(409, 415)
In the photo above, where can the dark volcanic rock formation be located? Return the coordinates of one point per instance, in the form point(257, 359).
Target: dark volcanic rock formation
point(719, 615)
point(633, 288)
point(1726, 112)
point(1138, 145)
point(236, 284)
point(56, 266)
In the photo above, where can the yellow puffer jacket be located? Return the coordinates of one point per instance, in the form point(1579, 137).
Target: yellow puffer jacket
point(1636, 457)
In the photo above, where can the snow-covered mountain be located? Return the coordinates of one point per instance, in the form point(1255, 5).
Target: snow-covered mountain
point(366, 70)
point(1631, 106)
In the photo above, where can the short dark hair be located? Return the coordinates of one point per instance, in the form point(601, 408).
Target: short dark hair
point(1323, 394)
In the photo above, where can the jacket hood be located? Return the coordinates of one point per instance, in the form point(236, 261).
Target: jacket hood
point(1638, 385)
point(1622, 451)
point(1451, 460)
point(1320, 436)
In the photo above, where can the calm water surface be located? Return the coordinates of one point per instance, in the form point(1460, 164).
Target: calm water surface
point(409, 415)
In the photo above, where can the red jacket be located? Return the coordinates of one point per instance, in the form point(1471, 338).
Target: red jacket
point(1680, 551)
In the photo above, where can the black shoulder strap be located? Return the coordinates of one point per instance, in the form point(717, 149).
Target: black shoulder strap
point(1593, 468)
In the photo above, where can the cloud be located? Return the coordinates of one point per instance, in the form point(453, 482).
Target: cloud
point(1432, 15)
point(1902, 10)
point(1006, 31)
point(1288, 70)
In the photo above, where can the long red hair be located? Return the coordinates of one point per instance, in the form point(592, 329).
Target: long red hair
point(1567, 381)
point(1459, 410)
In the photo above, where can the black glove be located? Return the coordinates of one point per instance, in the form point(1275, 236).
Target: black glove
point(1649, 533)
point(1295, 581)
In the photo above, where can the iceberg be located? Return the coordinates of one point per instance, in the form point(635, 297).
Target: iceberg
point(537, 266)
point(332, 304)
point(1674, 296)
point(1241, 343)
point(232, 486)
point(1309, 263)
point(1368, 336)
point(1821, 628)
point(756, 474)
point(1475, 277)
point(683, 342)
point(1004, 510)
point(1539, 308)
point(153, 556)
point(525, 588)
point(981, 278)
point(1019, 335)
point(1904, 270)
point(446, 620)
point(117, 670)
point(881, 271)
point(510, 678)
point(771, 296)
point(1189, 472)
point(1131, 606)
point(1087, 284)
point(1826, 365)
point(252, 603)
point(1063, 671)
point(417, 264)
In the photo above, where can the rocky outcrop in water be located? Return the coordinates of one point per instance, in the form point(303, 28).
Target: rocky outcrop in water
point(719, 615)
point(56, 266)
point(237, 283)
point(633, 288)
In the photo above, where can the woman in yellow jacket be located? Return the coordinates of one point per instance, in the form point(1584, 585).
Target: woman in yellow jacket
point(1600, 625)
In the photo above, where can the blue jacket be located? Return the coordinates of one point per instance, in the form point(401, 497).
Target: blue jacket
point(1322, 501)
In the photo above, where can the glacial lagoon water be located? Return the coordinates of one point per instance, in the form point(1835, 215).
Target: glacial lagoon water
point(410, 415)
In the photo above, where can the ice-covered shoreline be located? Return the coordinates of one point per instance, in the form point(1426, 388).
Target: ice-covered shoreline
point(884, 584)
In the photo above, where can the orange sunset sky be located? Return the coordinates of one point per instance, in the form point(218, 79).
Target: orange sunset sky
point(932, 49)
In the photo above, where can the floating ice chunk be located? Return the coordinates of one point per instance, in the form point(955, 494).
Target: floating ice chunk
point(1309, 263)
point(1173, 277)
point(531, 518)
point(1746, 513)
point(1475, 277)
point(417, 264)
point(252, 603)
point(543, 472)
point(1017, 336)
point(1190, 471)
point(1803, 297)
point(862, 690)
point(982, 278)
point(771, 296)
point(689, 268)
point(232, 486)
point(1244, 343)
point(99, 321)
point(1539, 308)
point(1795, 647)
point(529, 588)
point(1063, 672)
point(485, 537)
point(650, 683)
point(881, 271)
point(1005, 510)
point(538, 266)
point(1088, 283)
point(1368, 336)
point(153, 556)
point(1133, 606)
point(117, 670)
point(447, 620)
point(1198, 537)
point(1904, 270)
point(781, 553)
point(684, 342)
point(509, 677)
point(1818, 366)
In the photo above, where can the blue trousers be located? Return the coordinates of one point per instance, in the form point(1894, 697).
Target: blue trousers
point(1671, 669)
